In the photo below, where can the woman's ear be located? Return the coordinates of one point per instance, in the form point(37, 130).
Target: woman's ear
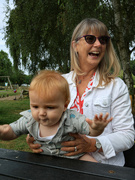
point(74, 45)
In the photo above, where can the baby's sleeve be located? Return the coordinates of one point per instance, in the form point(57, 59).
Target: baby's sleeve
point(80, 124)
point(19, 126)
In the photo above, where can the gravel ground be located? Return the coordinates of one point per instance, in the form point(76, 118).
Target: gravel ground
point(10, 98)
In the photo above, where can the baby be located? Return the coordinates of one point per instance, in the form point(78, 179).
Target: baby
point(49, 121)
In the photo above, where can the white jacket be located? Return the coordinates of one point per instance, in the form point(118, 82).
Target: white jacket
point(118, 136)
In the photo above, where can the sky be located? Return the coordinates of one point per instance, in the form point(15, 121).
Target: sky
point(2, 25)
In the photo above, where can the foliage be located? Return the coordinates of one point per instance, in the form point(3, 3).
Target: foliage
point(38, 33)
point(133, 76)
point(132, 65)
point(6, 69)
point(27, 79)
point(5, 65)
point(124, 30)
point(18, 77)
point(31, 31)
point(127, 15)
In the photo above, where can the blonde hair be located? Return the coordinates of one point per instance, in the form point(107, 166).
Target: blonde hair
point(47, 83)
point(109, 67)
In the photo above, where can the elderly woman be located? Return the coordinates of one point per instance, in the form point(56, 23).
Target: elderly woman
point(95, 88)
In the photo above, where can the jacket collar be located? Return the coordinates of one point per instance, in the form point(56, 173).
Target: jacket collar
point(96, 80)
point(70, 78)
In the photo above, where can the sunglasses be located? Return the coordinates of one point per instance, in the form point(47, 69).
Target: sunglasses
point(90, 39)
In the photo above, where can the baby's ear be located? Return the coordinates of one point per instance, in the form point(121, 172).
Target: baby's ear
point(66, 105)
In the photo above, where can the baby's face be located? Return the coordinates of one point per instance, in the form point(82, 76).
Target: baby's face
point(47, 112)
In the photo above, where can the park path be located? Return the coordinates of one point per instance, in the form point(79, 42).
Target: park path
point(10, 98)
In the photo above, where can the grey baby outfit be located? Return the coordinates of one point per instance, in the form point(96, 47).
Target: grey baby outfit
point(71, 122)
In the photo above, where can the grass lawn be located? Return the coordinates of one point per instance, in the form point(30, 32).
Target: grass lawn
point(9, 112)
point(10, 92)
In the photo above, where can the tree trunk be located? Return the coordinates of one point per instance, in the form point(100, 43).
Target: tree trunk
point(122, 46)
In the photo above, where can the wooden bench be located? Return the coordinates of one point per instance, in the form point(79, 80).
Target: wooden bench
point(24, 165)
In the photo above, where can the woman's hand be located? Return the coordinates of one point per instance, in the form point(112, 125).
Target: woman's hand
point(34, 147)
point(82, 143)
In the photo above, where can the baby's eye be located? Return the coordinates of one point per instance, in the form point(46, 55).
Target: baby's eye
point(50, 107)
point(35, 107)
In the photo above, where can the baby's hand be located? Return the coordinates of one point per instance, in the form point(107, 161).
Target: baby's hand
point(98, 124)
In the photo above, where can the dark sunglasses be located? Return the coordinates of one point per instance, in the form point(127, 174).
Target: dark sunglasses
point(90, 39)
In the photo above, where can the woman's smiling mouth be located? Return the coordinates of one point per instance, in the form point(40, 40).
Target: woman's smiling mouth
point(94, 53)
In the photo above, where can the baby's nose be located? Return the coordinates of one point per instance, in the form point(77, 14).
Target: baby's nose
point(43, 112)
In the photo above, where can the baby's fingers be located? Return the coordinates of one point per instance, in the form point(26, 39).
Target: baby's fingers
point(106, 116)
point(110, 119)
point(89, 121)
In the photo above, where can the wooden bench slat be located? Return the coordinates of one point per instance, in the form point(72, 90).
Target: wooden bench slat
point(36, 166)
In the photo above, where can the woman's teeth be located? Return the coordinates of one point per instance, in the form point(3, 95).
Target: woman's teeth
point(94, 53)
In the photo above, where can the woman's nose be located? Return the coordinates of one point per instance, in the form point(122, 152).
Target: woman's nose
point(97, 42)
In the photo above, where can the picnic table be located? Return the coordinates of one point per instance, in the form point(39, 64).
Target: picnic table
point(25, 165)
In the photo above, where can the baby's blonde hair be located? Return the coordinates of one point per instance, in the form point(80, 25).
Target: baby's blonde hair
point(47, 83)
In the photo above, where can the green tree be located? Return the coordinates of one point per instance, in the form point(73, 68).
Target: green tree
point(124, 23)
point(5, 65)
point(6, 69)
point(38, 33)
point(30, 33)
point(18, 77)
point(132, 66)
